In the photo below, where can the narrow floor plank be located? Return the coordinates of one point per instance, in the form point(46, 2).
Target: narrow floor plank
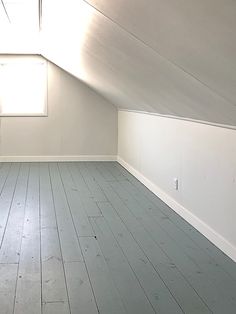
point(119, 175)
point(53, 274)
point(125, 280)
point(71, 251)
point(8, 274)
point(95, 190)
point(56, 308)
point(10, 249)
point(104, 170)
point(28, 290)
point(47, 210)
point(80, 219)
point(79, 181)
point(53, 278)
point(6, 198)
point(83, 192)
point(107, 296)
point(79, 289)
point(4, 171)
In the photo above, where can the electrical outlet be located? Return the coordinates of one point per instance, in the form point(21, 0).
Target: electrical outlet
point(176, 184)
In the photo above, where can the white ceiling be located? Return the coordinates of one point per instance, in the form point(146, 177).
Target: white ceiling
point(197, 36)
point(23, 15)
point(19, 28)
point(170, 57)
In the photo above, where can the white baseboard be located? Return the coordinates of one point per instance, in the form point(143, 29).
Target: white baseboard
point(58, 158)
point(197, 223)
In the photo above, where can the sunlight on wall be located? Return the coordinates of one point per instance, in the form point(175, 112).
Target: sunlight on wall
point(23, 88)
point(16, 42)
point(70, 17)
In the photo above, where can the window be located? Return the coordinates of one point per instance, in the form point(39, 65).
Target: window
point(23, 88)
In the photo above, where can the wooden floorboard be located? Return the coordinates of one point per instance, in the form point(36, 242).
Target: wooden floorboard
point(155, 206)
point(8, 275)
point(89, 238)
point(205, 266)
point(10, 247)
point(164, 265)
point(28, 297)
point(130, 289)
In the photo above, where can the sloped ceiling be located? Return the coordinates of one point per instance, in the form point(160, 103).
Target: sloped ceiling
point(171, 57)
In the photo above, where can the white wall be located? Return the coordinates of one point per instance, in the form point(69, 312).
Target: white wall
point(19, 43)
point(202, 157)
point(79, 122)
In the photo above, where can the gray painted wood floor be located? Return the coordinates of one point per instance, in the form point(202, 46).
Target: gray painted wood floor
point(86, 238)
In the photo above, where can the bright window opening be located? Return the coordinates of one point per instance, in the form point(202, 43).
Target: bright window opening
point(23, 88)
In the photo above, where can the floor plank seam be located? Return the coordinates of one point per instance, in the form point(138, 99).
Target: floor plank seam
point(10, 207)
point(79, 244)
point(18, 268)
point(7, 174)
point(161, 249)
point(128, 261)
point(64, 272)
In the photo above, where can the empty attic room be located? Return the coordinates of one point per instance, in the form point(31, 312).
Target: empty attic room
point(117, 157)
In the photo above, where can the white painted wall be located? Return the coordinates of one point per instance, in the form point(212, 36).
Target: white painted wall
point(22, 43)
point(79, 122)
point(203, 157)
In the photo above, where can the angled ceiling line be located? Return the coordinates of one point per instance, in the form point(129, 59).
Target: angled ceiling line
point(161, 56)
point(5, 10)
point(215, 124)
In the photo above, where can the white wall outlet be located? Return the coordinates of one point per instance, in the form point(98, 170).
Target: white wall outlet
point(176, 184)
